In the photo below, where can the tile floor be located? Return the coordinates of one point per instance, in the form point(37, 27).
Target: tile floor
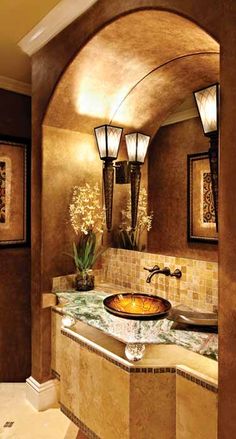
point(27, 422)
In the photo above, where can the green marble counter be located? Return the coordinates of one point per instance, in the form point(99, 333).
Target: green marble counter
point(88, 308)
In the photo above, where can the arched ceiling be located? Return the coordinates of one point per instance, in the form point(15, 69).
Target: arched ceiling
point(134, 73)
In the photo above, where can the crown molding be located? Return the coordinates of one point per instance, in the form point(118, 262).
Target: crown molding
point(16, 86)
point(54, 22)
point(180, 116)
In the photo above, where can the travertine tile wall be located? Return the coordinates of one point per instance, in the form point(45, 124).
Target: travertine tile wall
point(198, 286)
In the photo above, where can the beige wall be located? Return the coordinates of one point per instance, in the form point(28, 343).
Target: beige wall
point(167, 184)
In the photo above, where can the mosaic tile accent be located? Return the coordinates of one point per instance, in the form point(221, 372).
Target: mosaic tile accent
point(199, 382)
point(153, 370)
point(118, 363)
point(197, 288)
point(97, 351)
point(89, 433)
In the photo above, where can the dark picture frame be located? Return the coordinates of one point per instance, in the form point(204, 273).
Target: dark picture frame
point(14, 191)
point(201, 226)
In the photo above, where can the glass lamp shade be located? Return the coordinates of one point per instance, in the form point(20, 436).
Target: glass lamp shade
point(207, 104)
point(108, 141)
point(137, 145)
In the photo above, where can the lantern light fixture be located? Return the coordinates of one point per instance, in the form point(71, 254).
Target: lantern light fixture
point(207, 101)
point(207, 104)
point(108, 142)
point(137, 146)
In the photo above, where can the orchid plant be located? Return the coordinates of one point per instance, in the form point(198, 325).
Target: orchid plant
point(131, 239)
point(87, 220)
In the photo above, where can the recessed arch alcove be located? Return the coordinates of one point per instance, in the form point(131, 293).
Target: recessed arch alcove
point(50, 68)
point(133, 73)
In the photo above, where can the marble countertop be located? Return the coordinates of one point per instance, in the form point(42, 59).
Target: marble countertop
point(88, 308)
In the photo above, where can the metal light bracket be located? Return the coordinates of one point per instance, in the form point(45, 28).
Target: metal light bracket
point(122, 172)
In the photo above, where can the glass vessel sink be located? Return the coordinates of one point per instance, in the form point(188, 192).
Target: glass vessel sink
point(137, 306)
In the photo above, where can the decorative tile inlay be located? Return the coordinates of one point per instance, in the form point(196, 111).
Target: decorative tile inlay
point(97, 351)
point(130, 369)
point(198, 381)
point(89, 433)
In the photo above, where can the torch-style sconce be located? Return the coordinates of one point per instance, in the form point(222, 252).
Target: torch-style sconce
point(108, 142)
point(207, 101)
point(137, 145)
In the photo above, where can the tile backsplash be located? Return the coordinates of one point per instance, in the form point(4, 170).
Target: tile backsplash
point(197, 288)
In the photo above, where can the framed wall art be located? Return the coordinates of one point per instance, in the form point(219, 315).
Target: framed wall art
point(14, 191)
point(200, 202)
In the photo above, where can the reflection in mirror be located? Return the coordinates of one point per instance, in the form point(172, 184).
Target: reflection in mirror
point(162, 217)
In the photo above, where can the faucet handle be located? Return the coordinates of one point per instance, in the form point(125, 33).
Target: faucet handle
point(177, 273)
point(155, 267)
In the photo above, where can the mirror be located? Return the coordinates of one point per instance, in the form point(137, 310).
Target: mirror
point(163, 202)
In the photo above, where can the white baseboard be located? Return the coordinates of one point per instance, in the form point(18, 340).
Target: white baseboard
point(42, 396)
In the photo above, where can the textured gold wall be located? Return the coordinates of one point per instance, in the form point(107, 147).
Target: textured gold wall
point(70, 158)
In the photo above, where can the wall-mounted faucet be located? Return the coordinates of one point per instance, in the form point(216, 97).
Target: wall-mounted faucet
point(166, 271)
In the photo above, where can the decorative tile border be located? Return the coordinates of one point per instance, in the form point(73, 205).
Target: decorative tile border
point(154, 370)
point(199, 382)
point(89, 433)
point(96, 351)
point(128, 369)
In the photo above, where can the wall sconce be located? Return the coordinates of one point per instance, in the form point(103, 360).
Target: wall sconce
point(137, 145)
point(108, 142)
point(207, 101)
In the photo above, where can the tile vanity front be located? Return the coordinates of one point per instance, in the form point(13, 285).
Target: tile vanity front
point(170, 393)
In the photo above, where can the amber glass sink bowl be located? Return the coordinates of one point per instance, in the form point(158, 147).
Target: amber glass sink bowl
point(137, 306)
